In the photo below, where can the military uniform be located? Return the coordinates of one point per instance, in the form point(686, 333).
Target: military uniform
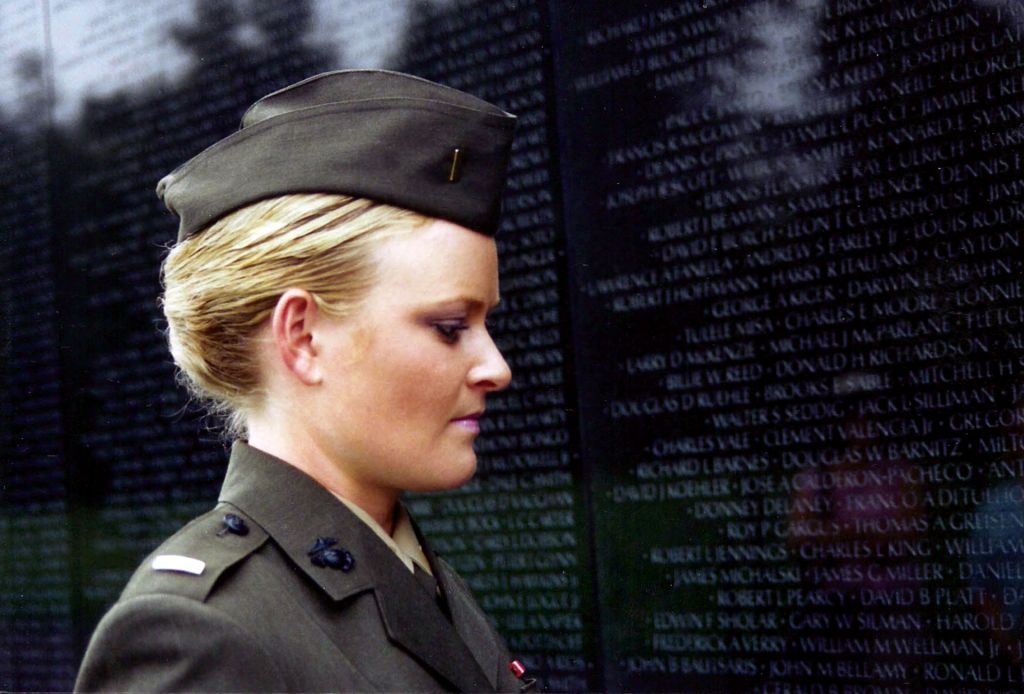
point(256, 600)
point(282, 587)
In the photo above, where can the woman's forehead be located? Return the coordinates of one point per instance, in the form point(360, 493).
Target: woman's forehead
point(440, 263)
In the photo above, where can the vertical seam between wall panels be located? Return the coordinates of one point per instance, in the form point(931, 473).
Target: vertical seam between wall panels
point(596, 668)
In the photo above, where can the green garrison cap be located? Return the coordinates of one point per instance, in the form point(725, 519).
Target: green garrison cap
point(375, 134)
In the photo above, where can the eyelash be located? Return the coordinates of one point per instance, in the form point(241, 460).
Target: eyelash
point(450, 331)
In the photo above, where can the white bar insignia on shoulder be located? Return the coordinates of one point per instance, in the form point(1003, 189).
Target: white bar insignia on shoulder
point(176, 562)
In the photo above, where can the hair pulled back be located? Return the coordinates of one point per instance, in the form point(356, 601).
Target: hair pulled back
point(221, 285)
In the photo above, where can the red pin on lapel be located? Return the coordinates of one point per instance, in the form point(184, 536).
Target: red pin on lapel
point(526, 685)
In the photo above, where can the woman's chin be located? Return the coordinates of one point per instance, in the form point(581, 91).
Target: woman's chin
point(451, 476)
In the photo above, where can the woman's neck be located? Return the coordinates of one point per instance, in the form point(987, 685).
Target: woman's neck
point(303, 452)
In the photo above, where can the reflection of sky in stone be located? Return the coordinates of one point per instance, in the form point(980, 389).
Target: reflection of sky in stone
point(105, 46)
point(21, 48)
point(1009, 11)
point(101, 47)
point(773, 76)
point(365, 32)
point(775, 73)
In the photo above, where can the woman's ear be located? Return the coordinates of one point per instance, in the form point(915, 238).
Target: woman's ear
point(292, 327)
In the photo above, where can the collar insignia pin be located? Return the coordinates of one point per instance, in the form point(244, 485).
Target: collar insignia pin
point(324, 554)
point(233, 524)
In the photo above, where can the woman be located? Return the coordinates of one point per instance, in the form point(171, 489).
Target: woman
point(328, 295)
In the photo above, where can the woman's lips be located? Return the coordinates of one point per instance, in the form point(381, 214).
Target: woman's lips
point(469, 422)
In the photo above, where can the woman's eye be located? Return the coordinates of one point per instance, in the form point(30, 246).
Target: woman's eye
point(449, 331)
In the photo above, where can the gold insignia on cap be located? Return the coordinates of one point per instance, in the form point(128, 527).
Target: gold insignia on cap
point(456, 168)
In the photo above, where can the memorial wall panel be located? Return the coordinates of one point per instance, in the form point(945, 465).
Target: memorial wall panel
point(794, 242)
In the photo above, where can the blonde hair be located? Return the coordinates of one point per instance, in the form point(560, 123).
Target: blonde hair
point(222, 284)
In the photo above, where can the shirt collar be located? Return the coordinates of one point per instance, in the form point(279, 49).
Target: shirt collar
point(402, 541)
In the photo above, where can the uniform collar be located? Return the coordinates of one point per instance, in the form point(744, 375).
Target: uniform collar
point(295, 510)
point(403, 541)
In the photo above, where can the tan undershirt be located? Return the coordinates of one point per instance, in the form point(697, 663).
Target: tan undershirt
point(402, 541)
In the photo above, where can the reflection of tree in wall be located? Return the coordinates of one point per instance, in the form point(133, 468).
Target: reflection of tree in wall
point(129, 132)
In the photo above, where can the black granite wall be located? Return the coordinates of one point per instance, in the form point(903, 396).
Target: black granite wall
point(763, 299)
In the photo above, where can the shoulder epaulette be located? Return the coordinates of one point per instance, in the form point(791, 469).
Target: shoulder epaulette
point(191, 561)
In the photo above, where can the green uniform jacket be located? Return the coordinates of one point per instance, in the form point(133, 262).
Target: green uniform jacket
point(262, 617)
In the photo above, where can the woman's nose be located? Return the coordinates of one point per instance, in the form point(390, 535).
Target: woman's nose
point(492, 372)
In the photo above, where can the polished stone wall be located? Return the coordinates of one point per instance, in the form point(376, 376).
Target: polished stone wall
point(762, 296)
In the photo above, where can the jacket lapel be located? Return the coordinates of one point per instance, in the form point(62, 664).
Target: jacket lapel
point(294, 510)
point(467, 618)
point(414, 620)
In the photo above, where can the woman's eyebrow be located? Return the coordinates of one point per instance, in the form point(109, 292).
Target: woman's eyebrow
point(464, 300)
